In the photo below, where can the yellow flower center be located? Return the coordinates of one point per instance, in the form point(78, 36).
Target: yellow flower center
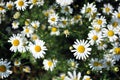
point(117, 50)
point(87, 79)
point(1, 8)
point(16, 42)
point(97, 29)
point(53, 19)
point(50, 63)
point(2, 68)
point(64, 22)
point(35, 26)
point(88, 10)
point(110, 33)
point(77, 17)
point(81, 49)
point(115, 24)
point(118, 15)
point(101, 43)
point(20, 3)
point(34, 37)
point(66, 9)
point(95, 37)
point(72, 64)
point(54, 29)
point(97, 64)
point(37, 48)
point(99, 22)
point(34, 1)
point(27, 30)
point(9, 6)
point(107, 9)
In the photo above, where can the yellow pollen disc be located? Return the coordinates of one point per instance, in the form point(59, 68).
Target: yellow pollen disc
point(20, 3)
point(35, 26)
point(37, 48)
point(9, 6)
point(77, 17)
point(16, 42)
point(96, 63)
point(81, 49)
point(64, 22)
point(52, 19)
point(27, 30)
point(117, 50)
point(115, 24)
point(101, 43)
point(107, 9)
point(72, 64)
point(108, 63)
point(54, 29)
point(95, 37)
point(2, 68)
point(97, 29)
point(118, 15)
point(66, 9)
point(1, 8)
point(87, 79)
point(99, 22)
point(88, 10)
point(50, 63)
point(34, 1)
point(110, 33)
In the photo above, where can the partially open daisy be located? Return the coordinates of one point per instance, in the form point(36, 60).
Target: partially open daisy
point(21, 4)
point(35, 24)
point(73, 75)
point(53, 18)
point(89, 9)
point(27, 69)
point(67, 10)
point(54, 30)
point(15, 24)
point(64, 2)
point(82, 49)
point(27, 30)
point(72, 64)
point(94, 37)
point(4, 68)
point(2, 8)
point(17, 43)
point(110, 33)
point(107, 8)
point(35, 3)
point(96, 64)
point(38, 49)
point(10, 5)
point(49, 64)
point(86, 77)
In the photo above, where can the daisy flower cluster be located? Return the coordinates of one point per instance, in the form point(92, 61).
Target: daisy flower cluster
point(60, 39)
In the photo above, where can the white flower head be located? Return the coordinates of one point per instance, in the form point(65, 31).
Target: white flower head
point(38, 48)
point(64, 2)
point(82, 49)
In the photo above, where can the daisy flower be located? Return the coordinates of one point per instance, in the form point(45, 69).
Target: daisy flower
point(16, 15)
point(34, 37)
point(94, 37)
point(115, 22)
point(54, 30)
point(2, 8)
point(21, 4)
point(108, 64)
point(110, 33)
point(64, 2)
point(100, 21)
point(35, 3)
point(27, 30)
point(66, 10)
point(17, 63)
point(37, 49)
point(53, 18)
point(18, 43)
point(73, 64)
point(73, 76)
point(49, 64)
point(107, 8)
point(27, 69)
point(89, 9)
point(10, 5)
point(76, 18)
point(86, 77)
point(35, 24)
point(117, 14)
point(48, 12)
point(102, 45)
point(4, 68)
point(15, 24)
point(96, 28)
point(96, 64)
point(63, 22)
point(82, 49)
